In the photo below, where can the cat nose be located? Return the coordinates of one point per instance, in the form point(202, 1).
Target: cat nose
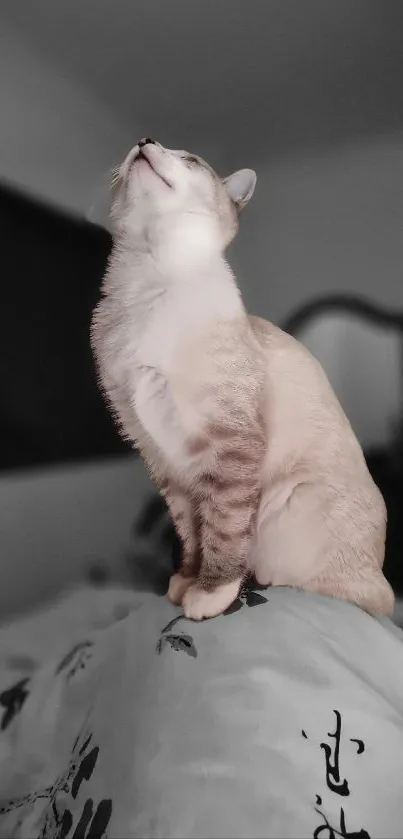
point(145, 141)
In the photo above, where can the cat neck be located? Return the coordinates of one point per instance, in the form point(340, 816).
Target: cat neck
point(163, 301)
point(149, 273)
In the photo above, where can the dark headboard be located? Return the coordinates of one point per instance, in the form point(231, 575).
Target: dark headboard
point(51, 269)
point(385, 464)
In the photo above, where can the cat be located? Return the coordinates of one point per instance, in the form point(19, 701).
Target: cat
point(236, 421)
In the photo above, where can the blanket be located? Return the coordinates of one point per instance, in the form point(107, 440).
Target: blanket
point(281, 718)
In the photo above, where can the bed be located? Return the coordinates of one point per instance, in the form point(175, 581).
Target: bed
point(281, 718)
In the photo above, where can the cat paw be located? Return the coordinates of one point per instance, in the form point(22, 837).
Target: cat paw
point(198, 604)
point(263, 576)
point(178, 585)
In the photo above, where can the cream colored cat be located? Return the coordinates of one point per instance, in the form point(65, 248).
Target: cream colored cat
point(235, 420)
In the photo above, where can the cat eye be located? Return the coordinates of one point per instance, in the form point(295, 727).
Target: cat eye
point(192, 160)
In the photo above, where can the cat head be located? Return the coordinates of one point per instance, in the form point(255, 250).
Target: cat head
point(159, 191)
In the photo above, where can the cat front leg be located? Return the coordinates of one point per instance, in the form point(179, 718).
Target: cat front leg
point(180, 508)
point(158, 415)
point(228, 502)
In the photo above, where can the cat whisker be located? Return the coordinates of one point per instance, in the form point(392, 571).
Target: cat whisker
point(115, 177)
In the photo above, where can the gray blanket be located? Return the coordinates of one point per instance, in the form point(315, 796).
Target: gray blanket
point(282, 718)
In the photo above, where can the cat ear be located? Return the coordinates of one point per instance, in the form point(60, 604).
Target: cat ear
point(240, 187)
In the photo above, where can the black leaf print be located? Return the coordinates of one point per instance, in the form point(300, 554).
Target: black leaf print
point(91, 825)
point(253, 598)
point(67, 659)
point(183, 642)
point(179, 643)
point(160, 645)
point(255, 586)
point(84, 746)
point(65, 825)
point(12, 700)
point(249, 596)
point(85, 819)
point(85, 770)
point(234, 607)
point(172, 623)
point(101, 819)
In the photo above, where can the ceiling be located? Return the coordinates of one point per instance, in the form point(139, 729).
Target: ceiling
point(271, 74)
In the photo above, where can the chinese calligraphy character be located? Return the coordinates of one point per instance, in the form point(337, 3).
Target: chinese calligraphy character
point(332, 761)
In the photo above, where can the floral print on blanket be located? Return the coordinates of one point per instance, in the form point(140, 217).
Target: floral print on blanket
point(47, 808)
point(81, 800)
point(249, 596)
point(59, 822)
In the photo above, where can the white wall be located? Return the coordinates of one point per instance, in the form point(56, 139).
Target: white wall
point(331, 221)
point(56, 140)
